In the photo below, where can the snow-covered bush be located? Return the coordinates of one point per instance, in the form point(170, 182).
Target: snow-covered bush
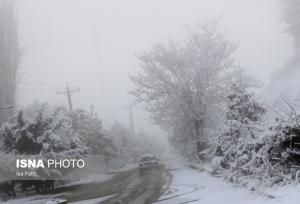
point(34, 135)
point(237, 145)
point(282, 147)
point(248, 154)
point(87, 131)
point(273, 157)
point(49, 132)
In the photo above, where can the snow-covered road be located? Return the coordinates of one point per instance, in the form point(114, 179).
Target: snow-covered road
point(125, 187)
point(182, 185)
point(191, 186)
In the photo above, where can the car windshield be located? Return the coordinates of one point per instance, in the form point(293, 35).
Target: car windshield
point(148, 158)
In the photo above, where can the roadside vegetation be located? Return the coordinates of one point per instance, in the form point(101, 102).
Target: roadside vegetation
point(199, 93)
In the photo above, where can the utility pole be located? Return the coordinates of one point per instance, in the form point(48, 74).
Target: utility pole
point(131, 120)
point(68, 92)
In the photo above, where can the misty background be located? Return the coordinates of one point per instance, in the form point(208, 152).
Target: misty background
point(193, 66)
point(92, 44)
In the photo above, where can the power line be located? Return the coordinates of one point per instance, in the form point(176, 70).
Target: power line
point(7, 107)
point(36, 84)
point(25, 80)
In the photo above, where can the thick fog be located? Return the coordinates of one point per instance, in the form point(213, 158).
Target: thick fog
point(92, 44)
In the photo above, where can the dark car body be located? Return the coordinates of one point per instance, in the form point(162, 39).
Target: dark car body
point(147, 162)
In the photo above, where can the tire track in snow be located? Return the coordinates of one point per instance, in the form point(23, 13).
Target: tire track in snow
point(190, 201)
point(193, 190)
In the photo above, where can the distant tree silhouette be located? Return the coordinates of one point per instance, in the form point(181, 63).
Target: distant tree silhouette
point(9, 58)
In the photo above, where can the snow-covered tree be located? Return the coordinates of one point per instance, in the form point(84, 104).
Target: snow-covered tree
point(49, 134)
point(291, 14)
point(184, 84)
point(88, 131)
point(32, 135)
point(129, 147)
point(238, 142)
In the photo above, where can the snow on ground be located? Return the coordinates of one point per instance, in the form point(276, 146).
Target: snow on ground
point(45, 198)
point(126, 167)
point(94, 201)
point(90, 178)
point(99, 176)
point(42, 199)
point(36, 199)
point(192, 186)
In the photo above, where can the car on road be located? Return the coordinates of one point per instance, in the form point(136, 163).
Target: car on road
point(147, 162)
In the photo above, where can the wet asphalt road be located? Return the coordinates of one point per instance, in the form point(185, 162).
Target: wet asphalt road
point(126, 187)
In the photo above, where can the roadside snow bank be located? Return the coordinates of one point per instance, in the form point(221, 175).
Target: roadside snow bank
point(200, 187)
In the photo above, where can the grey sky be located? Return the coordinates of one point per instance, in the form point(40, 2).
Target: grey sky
point(92, 44)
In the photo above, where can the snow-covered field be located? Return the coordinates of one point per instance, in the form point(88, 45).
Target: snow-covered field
point(191, 186)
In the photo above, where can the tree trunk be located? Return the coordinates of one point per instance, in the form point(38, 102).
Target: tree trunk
point(199, 130)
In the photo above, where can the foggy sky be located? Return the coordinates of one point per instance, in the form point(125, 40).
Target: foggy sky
point(92, 44)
